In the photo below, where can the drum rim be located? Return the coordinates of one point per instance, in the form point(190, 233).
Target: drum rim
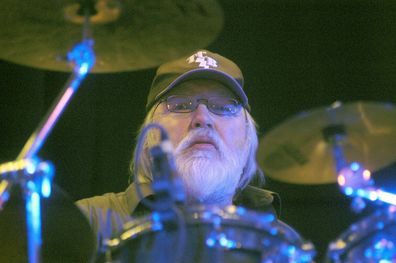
point(229, 215)
point(350, 238)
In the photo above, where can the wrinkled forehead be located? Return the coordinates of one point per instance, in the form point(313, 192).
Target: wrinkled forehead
point(201, 88)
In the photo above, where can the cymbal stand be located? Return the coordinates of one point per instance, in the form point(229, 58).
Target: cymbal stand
point(34, 178)
point(33, 175)
point(353, 178)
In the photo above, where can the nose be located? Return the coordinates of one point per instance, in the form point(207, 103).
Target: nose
point(201, 118)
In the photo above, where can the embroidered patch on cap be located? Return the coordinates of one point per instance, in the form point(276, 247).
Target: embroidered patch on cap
point(203, 60)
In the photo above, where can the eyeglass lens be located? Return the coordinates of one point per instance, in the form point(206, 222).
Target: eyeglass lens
point(217, 105)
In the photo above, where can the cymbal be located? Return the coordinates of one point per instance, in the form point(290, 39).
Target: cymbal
point(128, 34)
point(66, 234)
point(296, 152)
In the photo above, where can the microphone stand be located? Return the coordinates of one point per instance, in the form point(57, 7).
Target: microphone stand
point(27, 170)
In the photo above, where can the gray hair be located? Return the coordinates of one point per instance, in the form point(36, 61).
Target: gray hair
point(250, 171)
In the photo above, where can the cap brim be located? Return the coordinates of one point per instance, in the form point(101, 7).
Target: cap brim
point(213, 74)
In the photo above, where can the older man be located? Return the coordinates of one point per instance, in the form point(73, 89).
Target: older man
point(200, 102)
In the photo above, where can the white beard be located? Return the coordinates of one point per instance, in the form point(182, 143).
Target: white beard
point(209, 176)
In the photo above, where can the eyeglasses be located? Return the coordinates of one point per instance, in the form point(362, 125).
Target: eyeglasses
point(217, 105)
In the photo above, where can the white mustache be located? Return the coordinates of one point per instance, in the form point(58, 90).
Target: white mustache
point(197, 135)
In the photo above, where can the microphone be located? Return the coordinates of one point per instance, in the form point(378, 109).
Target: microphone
point(166, 185)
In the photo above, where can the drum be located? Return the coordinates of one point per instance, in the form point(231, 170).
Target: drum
point(208, 234)
point(372, 239)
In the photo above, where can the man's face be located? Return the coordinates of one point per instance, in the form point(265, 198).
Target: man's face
point(210, 149)
point(231, 129)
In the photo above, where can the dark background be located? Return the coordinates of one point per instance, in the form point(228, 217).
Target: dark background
point(295, 55)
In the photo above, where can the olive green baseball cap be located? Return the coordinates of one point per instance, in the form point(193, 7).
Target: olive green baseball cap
point(203, 64)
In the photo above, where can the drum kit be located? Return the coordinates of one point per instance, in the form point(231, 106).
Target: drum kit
point(343, 144)
point(39, 223)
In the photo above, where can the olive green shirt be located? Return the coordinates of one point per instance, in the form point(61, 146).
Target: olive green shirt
point(108, 213)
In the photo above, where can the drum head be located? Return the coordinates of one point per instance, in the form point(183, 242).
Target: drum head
point(208, 234)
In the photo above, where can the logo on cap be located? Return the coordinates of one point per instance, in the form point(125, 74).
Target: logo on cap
point(203, 60)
